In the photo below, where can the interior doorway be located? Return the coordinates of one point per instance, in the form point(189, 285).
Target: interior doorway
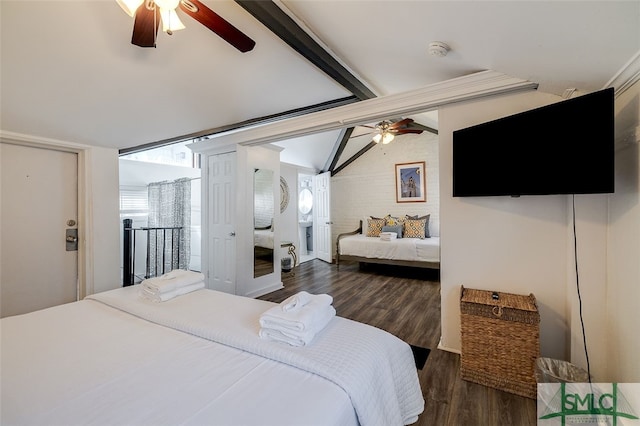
point(305, 217)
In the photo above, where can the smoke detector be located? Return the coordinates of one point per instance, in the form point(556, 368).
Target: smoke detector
point(438, 48)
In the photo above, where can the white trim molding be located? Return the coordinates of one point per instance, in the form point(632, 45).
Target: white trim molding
point(628, 75)
point(470, 87)
point(40, 142)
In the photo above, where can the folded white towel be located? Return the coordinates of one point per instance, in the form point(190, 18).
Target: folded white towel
point(388, 236)
point(300, 299)
point(172, 280)
point(167, 295)
point(279, 333)
point(309, 317)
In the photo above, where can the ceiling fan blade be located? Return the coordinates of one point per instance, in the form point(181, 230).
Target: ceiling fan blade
point(401, 123)
point(145, 26)
point(403, 131)
point(217, 24)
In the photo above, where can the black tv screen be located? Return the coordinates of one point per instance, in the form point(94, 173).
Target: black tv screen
point(563, 148)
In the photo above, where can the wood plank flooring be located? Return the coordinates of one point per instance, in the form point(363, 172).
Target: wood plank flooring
point(406, 303)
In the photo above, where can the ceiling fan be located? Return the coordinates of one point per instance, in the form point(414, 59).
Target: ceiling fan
point(146, 14)
point(387, 130)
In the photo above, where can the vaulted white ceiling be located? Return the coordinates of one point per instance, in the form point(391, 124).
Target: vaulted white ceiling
point(69, 72)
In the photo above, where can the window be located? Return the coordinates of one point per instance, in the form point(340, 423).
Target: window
point(134, 202)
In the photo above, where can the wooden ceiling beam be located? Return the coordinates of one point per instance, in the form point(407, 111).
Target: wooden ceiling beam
point(281, 24)
point(341, 144)
point(353, 158)
point(252, 122)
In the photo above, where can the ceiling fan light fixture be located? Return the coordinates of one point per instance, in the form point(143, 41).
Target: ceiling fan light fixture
point(384, 137)
point(146, 22)
point(387, 138)
point(170, 21)
point(130, 6)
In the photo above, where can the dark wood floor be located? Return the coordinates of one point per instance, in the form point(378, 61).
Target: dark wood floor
point(406, 303)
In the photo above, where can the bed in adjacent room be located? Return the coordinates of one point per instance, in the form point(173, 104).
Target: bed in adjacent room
point(263, 238)
point(368, 245)
point(421, 253)
point(116, 358)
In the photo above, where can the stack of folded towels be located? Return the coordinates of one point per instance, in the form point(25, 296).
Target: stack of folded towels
point(298, 319)
point(388, 236)
point(171, 284)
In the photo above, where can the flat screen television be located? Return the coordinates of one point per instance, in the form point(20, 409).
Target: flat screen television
point(563, 148)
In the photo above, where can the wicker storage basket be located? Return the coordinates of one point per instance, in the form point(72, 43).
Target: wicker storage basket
point(500, 340)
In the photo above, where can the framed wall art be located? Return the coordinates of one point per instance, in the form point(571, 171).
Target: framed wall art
point(410, 183)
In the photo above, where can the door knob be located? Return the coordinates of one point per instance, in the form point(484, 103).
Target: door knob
point(232, 234)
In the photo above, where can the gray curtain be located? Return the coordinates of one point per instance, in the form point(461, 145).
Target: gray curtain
point(169, 207)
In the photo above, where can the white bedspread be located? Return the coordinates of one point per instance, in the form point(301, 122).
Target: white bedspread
point(375, 368)
point(413, 249)
point(87, 363)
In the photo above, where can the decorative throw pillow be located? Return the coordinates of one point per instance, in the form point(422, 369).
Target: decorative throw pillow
point(365, 223)
point(374, 227)
point(397, 229)
point(426, 226)
point(414, 228)
point(394, 221)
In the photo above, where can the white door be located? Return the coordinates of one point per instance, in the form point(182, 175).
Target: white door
point(221, 222)
point(322, 224)
point(39, 198)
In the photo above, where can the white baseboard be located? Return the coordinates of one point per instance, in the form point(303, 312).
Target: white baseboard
point(445, 348)
point(265, 290)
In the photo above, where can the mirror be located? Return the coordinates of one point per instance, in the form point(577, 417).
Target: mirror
point(305, 201)
point(263, 213)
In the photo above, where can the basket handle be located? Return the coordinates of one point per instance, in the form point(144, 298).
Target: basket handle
point(497, 311)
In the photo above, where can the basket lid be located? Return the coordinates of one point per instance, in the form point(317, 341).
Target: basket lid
point(498, 298)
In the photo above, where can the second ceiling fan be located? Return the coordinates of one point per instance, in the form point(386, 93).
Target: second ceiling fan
point(387, 130)
point(147, 15)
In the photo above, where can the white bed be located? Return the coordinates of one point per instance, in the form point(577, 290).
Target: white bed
point(116, 359)
point(416, 252)
point(409, 249)
point(263, 238)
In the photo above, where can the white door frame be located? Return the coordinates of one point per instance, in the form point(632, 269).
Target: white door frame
point(85, 200)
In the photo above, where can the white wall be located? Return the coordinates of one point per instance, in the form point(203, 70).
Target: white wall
point(289, 217)
point(141, 173)
point(518, 245)
point(623, 293)
point(102, 206)
point(366, 187)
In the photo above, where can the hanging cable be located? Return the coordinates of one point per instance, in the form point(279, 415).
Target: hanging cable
point(575, 251)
